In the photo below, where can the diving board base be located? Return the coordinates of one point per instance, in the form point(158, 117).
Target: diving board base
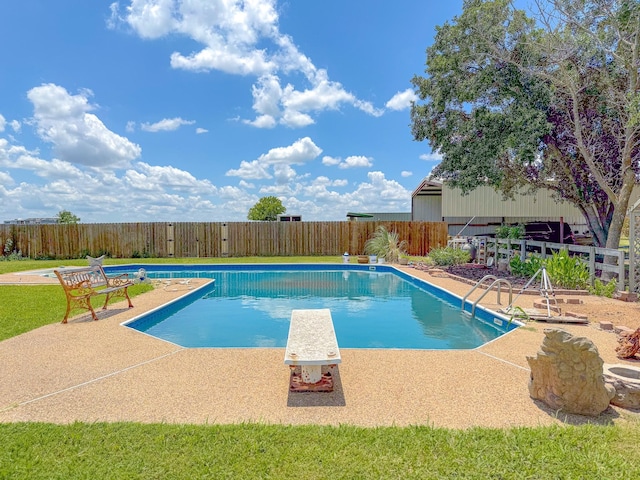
point(297, 381)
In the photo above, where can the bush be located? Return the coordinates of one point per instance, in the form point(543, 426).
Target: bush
point(385, 244)
point(528, 268)
point(505, 231)
point(604, 290)
point(449, 256)
point(566, 271)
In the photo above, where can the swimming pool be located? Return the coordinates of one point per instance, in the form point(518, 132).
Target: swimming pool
point(371, 306)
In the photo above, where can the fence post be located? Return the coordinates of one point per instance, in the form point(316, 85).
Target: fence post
point(224, 240)
point(592, 265)
point(170, 242)
point(621, 271)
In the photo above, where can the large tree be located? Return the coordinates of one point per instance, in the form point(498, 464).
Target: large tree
point(545, 100)
point(267, 208)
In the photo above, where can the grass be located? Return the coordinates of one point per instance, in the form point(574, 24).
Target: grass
point(46, 304)
point(164, 451)
point(247, 451)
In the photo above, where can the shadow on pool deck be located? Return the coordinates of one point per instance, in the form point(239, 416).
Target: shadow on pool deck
point(101, 371)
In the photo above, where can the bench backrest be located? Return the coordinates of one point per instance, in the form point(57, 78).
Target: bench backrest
point(71, 278)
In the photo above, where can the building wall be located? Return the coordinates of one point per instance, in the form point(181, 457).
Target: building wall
point(426, 208)
point(486, 202)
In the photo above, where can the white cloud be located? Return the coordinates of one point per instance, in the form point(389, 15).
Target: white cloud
point(330, 161)
point(284, 174)
point(431, 157)
point(14, 124)
point(169, 177)
point(406, 173)
point(200, 131)
point(166, 125)
point(356, 161)
point(77, 135)
point(242, 38)
point(6, 179)
point(302, 150)
point(250, 170)
point(402, 100)
point(131, 126)
point(263, 121)
point(151, 19)
point(353, 161)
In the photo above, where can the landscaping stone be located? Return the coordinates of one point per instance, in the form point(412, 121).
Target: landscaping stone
point(606, 326)
point(567, 374)
point(626, 382)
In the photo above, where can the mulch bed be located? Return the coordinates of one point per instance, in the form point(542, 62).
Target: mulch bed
point(474, 273)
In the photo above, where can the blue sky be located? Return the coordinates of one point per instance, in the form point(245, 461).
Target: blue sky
point(192, 110)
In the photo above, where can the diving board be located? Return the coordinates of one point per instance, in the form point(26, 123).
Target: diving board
point(312, 351)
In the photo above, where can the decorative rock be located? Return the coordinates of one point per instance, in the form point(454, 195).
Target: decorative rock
point(606, 326)
point(567, 375)
point(625, 379)
point(576, 315)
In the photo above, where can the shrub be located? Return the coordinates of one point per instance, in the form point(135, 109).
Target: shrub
point(604, 290)
point(449, 256)
point(514, 231)
point(385, 244)
point(566, 271)
point(528, 268)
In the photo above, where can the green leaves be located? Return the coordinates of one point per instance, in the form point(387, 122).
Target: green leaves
point(65, 216)
point(550, 101)
point(385, 244)
point(267, 208)
point(566, 271)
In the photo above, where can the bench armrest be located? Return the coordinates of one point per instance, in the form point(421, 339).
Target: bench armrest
point(119, 280)
point(81, 289)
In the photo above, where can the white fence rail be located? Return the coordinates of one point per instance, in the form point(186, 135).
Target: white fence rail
point(505, 249)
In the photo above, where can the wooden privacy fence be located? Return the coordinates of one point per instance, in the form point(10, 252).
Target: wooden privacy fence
point(208, 239)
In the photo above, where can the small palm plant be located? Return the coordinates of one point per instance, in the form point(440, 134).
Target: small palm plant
point(385, 244)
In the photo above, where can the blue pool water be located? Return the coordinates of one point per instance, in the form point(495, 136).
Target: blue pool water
point(371, 307)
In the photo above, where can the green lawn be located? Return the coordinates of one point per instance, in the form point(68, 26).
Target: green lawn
point(246, 451)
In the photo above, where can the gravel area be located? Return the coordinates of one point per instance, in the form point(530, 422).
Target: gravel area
point(101, 371)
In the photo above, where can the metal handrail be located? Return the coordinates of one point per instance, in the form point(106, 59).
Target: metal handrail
point(497, 281)
point(476, 286)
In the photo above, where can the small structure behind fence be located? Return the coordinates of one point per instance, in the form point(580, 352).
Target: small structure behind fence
point(213, 239)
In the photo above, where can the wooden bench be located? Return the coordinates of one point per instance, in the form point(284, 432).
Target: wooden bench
point(312, 351)
point(83, 283)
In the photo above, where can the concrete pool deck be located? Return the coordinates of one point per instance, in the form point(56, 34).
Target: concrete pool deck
point(100, 371)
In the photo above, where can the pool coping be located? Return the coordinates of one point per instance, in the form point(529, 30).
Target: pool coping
point(98, 371)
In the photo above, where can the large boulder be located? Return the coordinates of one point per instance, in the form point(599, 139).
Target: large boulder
point(567, 375)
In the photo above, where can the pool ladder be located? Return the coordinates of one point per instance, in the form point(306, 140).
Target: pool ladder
point(496, 281)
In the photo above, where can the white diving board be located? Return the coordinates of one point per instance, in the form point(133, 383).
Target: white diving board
point(311, 345)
